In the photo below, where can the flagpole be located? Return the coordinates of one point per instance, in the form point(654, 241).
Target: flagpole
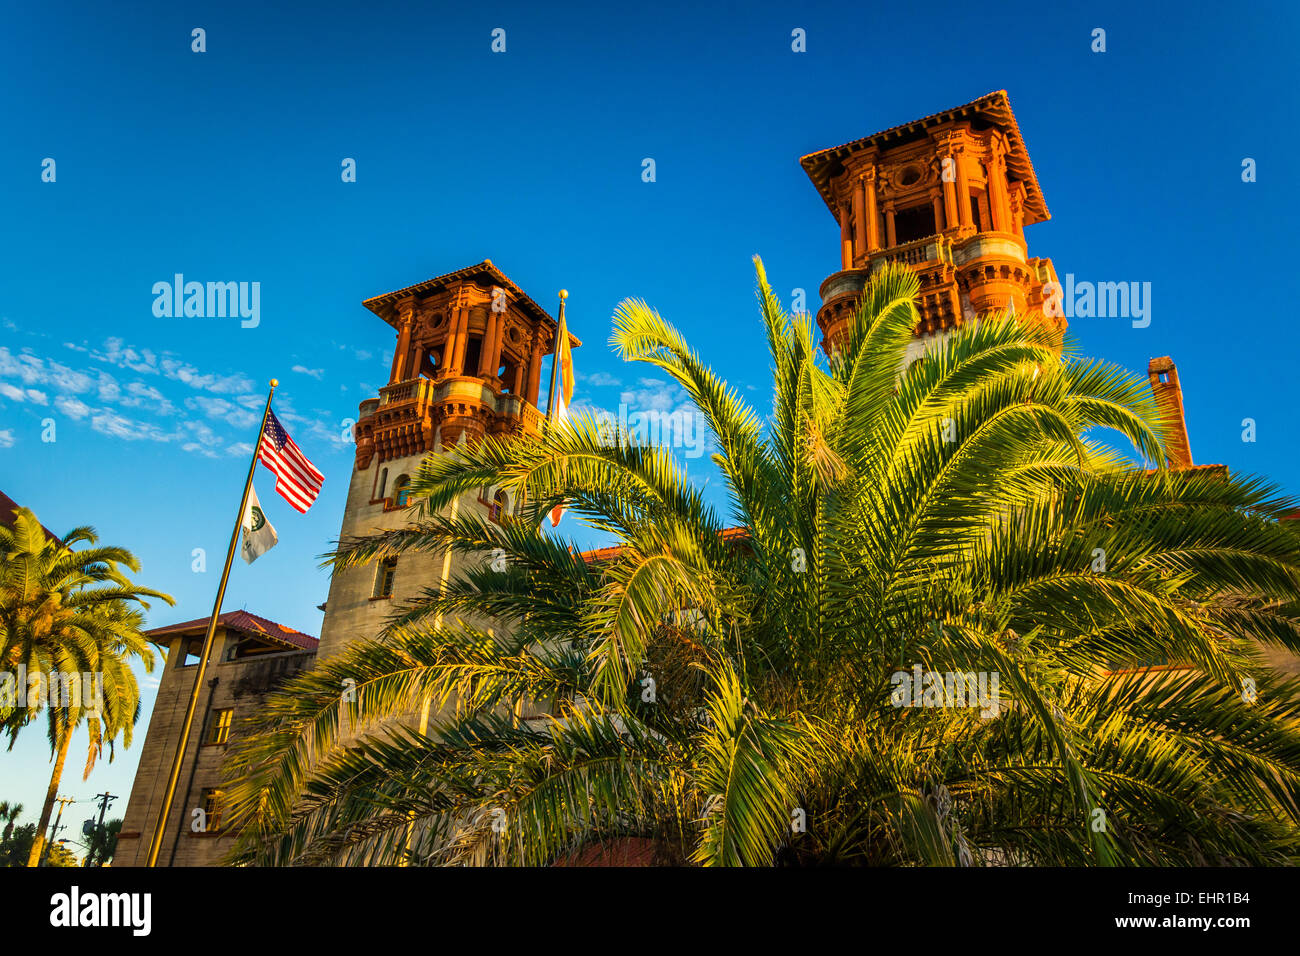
point(555, 354)
point(155, 845)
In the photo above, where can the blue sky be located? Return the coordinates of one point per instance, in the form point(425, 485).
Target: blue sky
point(225, 166)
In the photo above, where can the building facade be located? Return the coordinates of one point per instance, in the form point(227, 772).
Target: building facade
point(250, 658)
point(467, 363)
point(949, 195)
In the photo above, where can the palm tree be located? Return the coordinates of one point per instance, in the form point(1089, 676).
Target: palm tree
point(9, 813)
point(743, 698)
point(101, 844)
point(67, 612)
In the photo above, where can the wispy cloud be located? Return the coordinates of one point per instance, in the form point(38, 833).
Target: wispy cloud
point(655, 396)
point(143, 361)
point(15, 394)
point(135, 409)
point(116, 352)
point(72, 406)
point(106, 421)
point(599, 379)
point(7, 438)
point(316, 373)
point(222, 409)
point(217, 384)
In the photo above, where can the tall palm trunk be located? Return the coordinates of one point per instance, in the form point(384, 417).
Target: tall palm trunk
point(38, 843)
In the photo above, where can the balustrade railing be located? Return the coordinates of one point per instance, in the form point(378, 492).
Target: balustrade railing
point(927, 249)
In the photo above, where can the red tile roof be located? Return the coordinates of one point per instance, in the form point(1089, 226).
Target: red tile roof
point(613, 551)
point(621, 851)
point(246, 622)
point(994, 107)
point(7, 508)
point(385, 305)
point(1219, 470)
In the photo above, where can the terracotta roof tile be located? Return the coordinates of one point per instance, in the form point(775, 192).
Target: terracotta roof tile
point(244, 621)
point(622, 851)
point(823, 165)
point(597, 555)
point(7, 508)
point(385, 305)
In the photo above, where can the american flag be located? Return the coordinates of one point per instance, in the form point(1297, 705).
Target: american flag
point(296, 478)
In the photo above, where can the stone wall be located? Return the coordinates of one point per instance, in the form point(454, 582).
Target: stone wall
point(241, 685)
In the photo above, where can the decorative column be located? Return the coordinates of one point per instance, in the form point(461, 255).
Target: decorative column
point(1016, 207)
point(498, 352)
point(861, 218)
point(985, 217)
point(458, 339)
point(950, 214)
point(846, 238)
point(963, 190)
point(936, 202)
point(489, 361)
point(498, 348)
point(999, 207)
point(401, 354)
point(534, 379)
point(890, 239)
point(873, 213)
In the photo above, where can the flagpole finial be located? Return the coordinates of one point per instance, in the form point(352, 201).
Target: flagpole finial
point(275, 383)
point(564, 293)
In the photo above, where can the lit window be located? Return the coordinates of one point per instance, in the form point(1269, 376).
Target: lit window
point(212, 807)
point(402, 491)
point(219, 726)
point(497, 512)
point(384, 578)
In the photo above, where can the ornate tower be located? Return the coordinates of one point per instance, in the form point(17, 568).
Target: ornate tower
point(467, 363)
point(950, 195)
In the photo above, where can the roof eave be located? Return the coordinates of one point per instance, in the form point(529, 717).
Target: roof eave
point(385, 305)
point(997, 102)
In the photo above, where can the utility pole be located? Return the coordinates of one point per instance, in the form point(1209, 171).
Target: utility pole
point(105, 799)
point(54, 830)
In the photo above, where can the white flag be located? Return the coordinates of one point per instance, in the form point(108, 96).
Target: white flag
point(259, 536)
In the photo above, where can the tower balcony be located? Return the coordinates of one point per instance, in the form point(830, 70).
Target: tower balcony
point(961, 275)
point(933, 259)
point(412, 416)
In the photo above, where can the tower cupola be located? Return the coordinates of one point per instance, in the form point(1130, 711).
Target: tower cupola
point(467, 363)
point(949, 195)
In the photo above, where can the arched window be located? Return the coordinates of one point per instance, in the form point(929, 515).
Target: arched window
point(430, 362)
point(383, 483)
point(384, 575)
point(402, 491)
point(508, 372)
point(498, 511)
